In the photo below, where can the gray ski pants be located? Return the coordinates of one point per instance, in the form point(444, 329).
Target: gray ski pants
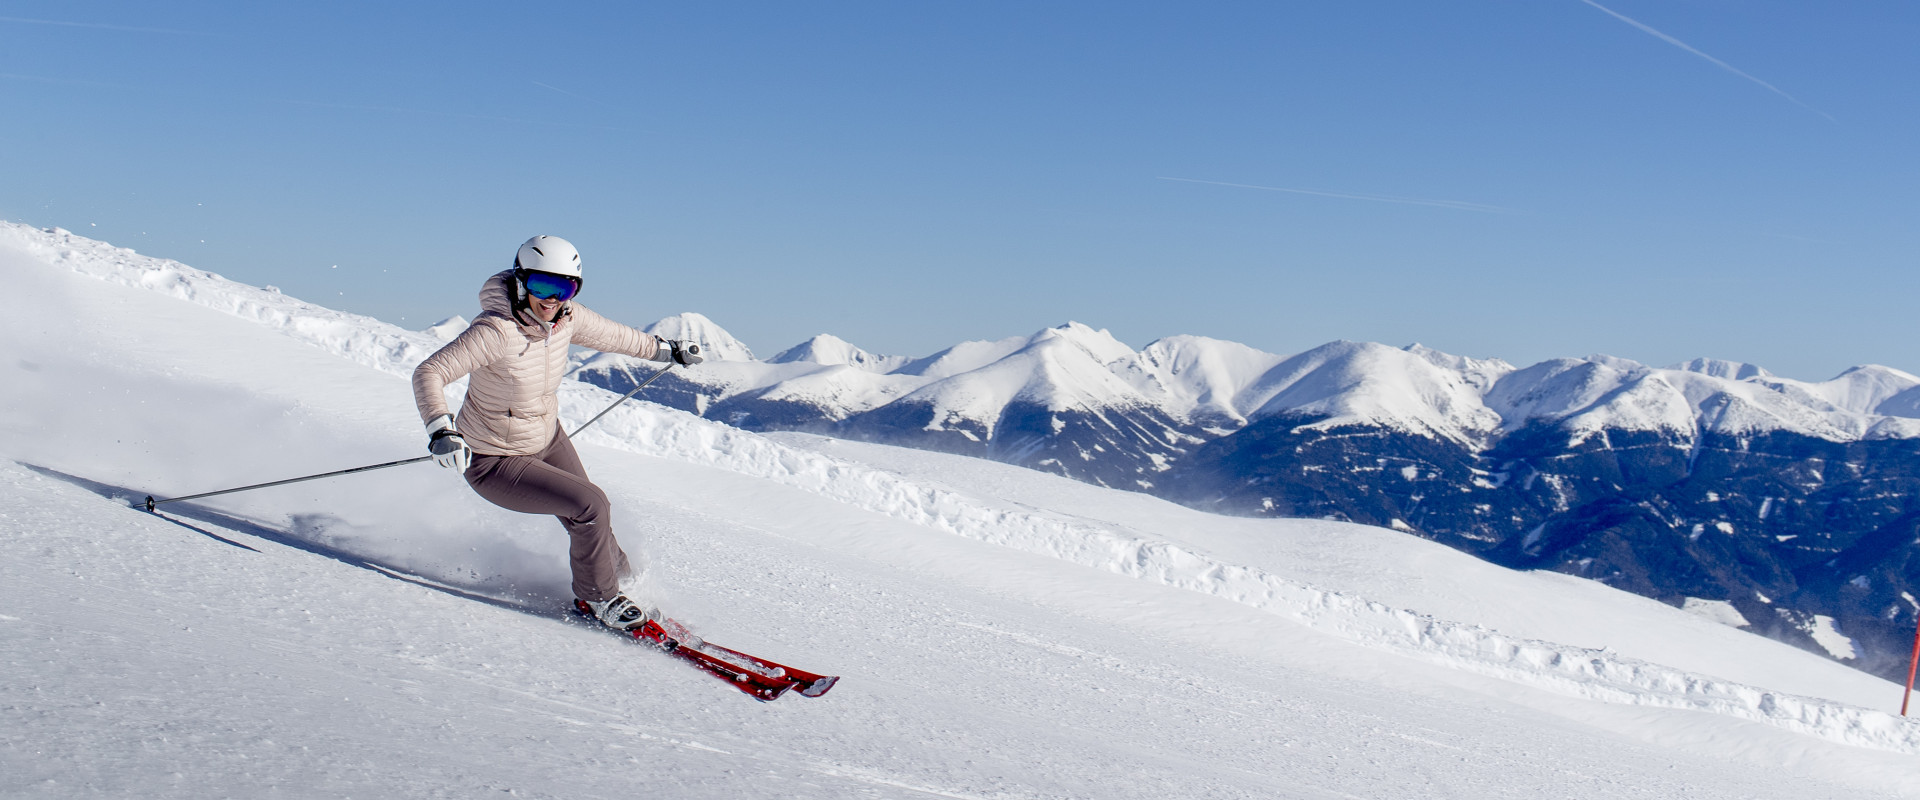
point(554, 482)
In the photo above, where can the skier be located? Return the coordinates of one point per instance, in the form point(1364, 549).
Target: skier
point(508, 442)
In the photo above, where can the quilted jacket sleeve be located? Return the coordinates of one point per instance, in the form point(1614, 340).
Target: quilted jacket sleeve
point(481, 344)
point(607, 336)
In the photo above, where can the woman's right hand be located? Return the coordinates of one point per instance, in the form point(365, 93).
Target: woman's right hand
point(449, 449)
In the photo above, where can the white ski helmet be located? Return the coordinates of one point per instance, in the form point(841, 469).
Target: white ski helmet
point(549, 254)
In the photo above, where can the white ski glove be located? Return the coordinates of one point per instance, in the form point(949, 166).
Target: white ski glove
point(685, 354)
point(446, 445)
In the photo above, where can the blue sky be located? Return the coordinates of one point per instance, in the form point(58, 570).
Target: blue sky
point(1524, 180)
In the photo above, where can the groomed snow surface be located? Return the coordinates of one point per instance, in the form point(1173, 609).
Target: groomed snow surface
point(1001, 633)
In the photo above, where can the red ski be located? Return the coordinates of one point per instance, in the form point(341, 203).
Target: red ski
point(762, 679)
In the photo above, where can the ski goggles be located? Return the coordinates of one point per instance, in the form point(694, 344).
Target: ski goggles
point(548, 286)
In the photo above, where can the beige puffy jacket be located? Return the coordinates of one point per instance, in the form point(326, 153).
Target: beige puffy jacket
point(516, 363)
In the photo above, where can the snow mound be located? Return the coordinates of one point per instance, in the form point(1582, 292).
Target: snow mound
point(1866, 389)
point(963, 357)
point(832, 350)
point(1200, 378)
point(362, 340)
point(1361, 383)
point(1595, 394)
point(445, 330)
point(1725, 370)
point(1057, 369)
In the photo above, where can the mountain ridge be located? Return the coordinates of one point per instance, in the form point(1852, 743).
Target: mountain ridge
point(1413, 388)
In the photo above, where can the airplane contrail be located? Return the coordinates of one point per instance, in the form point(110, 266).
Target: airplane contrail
point(439, 113)
point(102, 26)
point(570, 94)
point(1650, 30)
point(1456, 205)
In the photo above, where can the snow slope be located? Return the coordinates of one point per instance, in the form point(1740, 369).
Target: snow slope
point(1002, 633)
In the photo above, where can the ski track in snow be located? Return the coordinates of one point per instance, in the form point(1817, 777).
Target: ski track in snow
point(646, 429)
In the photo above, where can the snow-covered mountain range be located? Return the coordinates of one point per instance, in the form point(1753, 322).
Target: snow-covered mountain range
point(1002, 633)
point(1196, 382)
point(1707, 481)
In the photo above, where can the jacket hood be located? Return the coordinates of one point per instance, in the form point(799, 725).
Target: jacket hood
point(495, 297)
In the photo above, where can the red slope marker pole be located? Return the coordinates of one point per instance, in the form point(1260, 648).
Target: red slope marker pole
point(1913, 665)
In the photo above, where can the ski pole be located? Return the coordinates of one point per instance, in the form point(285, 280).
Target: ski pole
point(152, 503)
point(691, 348)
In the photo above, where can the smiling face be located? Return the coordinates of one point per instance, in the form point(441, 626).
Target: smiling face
point(545, 309)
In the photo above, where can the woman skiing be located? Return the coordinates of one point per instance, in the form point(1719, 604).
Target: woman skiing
point(508, 442)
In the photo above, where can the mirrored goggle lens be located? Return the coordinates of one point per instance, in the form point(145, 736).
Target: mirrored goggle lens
point(551, 287)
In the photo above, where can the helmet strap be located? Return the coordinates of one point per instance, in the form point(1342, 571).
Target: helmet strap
point(517, 293)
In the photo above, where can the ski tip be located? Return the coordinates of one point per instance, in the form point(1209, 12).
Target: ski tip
point(819, 686)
